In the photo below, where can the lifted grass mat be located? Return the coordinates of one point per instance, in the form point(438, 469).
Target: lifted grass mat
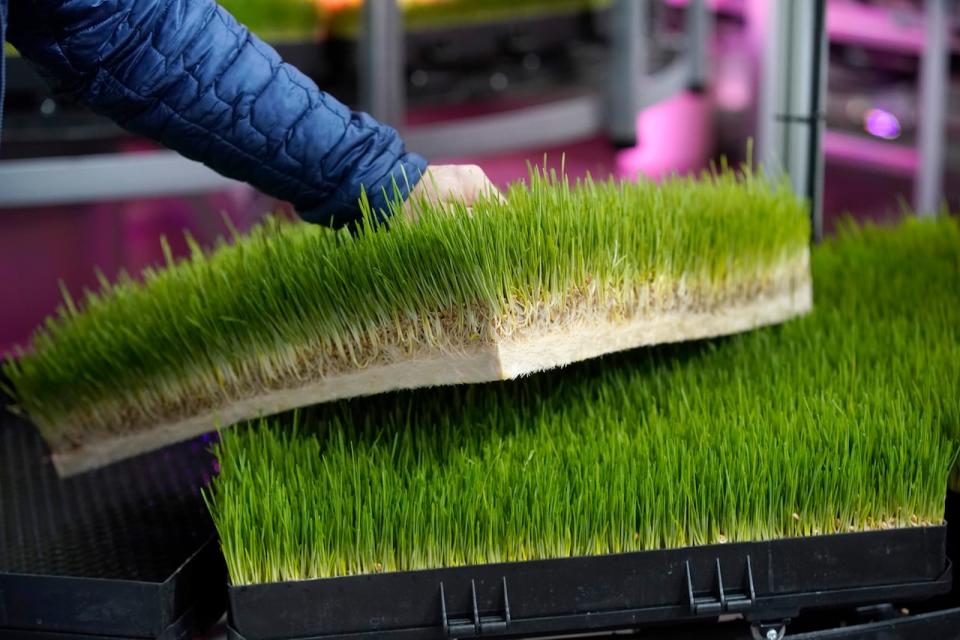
point(294, 314)
point(845, 420)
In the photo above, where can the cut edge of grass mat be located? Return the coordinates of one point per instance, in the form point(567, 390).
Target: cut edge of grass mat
point(555, 275)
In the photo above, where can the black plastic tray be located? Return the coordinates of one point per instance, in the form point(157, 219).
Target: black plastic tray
point(762, 581)
point(127, 551)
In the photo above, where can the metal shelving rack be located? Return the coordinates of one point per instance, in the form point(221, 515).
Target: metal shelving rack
point(930, 43)
point(786, 141)
point(613, 110)
point(91, 178)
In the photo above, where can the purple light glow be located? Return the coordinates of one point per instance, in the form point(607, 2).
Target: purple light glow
point(881, 124)
point(676, 136)
point(852, 150)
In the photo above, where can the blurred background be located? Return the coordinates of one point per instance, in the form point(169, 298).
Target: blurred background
point(499, 83)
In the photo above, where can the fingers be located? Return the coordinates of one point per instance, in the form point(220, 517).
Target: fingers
point(488, 189)
point(475, 185)
point(448, 184)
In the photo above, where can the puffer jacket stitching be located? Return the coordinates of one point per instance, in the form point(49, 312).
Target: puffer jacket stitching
point(177, 115)
point(176, 110)
point(343, 195)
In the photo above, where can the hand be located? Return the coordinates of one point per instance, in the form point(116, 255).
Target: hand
point(450, 183)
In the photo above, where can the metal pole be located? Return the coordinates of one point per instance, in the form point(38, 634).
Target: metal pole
point(793, 88)
point(817, 114)
point(800, 89)
point(628, 67)
point(934, 77)
point(382, 62)
point(771, 132)
point(699, 28)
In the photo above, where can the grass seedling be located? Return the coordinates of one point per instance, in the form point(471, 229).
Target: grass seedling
point(844, 420)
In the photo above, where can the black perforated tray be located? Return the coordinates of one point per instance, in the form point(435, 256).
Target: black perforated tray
point(773, 580)
point(127, 551)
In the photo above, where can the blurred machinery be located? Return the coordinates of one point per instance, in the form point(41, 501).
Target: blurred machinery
point(458, 78)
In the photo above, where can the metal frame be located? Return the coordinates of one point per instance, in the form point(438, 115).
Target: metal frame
point(38, 182)
point(383, 62)
point(791, 101)
point(791, 123)
point(628, 65)
point(630, 90)
point(934, 79)
point(789, 136)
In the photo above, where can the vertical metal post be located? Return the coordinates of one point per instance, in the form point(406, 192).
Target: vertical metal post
point(820, 50)
point(934, 77)
point(628, 67)
point(773, 17)
point(382, 62)
point(800, 88)
point(699, 28)
point(793, 87)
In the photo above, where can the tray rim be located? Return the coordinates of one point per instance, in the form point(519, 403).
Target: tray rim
point(165, 596)
point(931, 538)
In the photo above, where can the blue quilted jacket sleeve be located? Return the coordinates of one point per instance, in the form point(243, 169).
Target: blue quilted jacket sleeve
point(186, 74)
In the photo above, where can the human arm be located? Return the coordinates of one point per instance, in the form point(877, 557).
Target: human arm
point(186, 74)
